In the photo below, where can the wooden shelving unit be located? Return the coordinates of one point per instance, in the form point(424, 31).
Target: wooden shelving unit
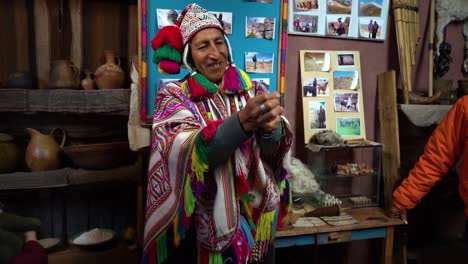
point(66, 101)
point(66, 177)
point(36, 34)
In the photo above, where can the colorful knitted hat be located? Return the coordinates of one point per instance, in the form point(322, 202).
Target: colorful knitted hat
point(171, 50)
point(168, 44)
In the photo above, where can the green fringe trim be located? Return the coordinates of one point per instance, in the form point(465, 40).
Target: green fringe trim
point(166, 52)
point(199, 158)
point(215, 258)
point(281, 186)
point(207, 84)
point(264, 226)
point(161, 244)
point(189, 202)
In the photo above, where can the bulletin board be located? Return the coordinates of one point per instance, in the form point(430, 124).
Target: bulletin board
point(240, 18)
point(359, 19)
point(331, 88)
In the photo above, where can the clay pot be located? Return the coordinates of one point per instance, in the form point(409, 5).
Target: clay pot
point(64, 75)
point(22, 80)
point(87, 80)
point(42, 153)
point(9, 154)
point(110, 75)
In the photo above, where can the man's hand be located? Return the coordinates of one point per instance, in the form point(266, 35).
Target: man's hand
point(263, 111)
point(395, 212)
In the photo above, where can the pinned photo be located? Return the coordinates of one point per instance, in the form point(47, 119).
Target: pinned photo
point(263, 82)
point(316, 61)
point(346, 102)
point(370, 27)
point(306, 5)
point(256, 62)
point(164, 82)
point(346, 80)
point(305, 23)
point(348, 126)
point(317, 115)
point(260, 27)
point(371, 8)
point(338, 26)
point(166, 17)
point(345, 59)
point(225, 19)
point(339, 6)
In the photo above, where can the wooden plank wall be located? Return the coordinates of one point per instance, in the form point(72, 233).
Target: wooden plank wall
point(14, 38)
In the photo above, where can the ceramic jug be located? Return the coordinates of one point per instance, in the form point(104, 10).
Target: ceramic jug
point(87, 80)
point(9, 154)
point(110, 75)
point(64, 75)
point(42, 152)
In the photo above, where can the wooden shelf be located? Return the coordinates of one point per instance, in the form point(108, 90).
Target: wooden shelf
point(72, 255)
point(66, 177)
point(116, 101)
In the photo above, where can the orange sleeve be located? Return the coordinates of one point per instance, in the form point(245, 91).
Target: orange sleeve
point(441, 152)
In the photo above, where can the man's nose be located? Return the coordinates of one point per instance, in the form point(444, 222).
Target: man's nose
point(213, 50)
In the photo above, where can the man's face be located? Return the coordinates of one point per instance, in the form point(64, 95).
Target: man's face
point(210, 54)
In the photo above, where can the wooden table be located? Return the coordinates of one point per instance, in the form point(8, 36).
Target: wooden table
point(364, 229)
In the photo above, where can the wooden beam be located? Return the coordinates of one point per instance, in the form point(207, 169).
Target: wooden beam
point(21, 35)
point(41, 21)
point(389, 132)
point(76, 10)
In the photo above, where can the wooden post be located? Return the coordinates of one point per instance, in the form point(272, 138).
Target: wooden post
point(21, 35)
point(41, 21)
point(389, 132)
point(76, 9)
point(431, 47)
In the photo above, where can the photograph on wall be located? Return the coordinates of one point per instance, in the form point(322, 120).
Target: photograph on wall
point(345, 60)
point(339, 18)
point(346, 80)
point(339, 6)
point(166, 17)
point(337, 91)
point(263, 81)
point(256, 62)
point(346, 102)
point(225, 19)
point(348, 126)
point(305, 23)
point(316, 61)
point(370, 8)
point(338, 26)
point(260, 27)
point(164, 82)
point(306, 5)
point(315, 86)
point(370, 27)
point(317, 115)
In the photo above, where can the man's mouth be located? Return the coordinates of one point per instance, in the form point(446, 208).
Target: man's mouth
point(214, 65)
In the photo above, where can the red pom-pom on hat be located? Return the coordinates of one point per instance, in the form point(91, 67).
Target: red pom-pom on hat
point(168, 34)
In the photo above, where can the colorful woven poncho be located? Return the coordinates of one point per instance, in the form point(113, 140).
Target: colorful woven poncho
point(234, 206)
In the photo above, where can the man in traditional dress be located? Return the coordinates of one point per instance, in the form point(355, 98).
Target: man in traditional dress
point(219, 156)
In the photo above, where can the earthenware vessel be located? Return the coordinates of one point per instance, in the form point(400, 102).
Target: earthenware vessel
point(9, 154)
point(110, 75)
point(43, 151)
